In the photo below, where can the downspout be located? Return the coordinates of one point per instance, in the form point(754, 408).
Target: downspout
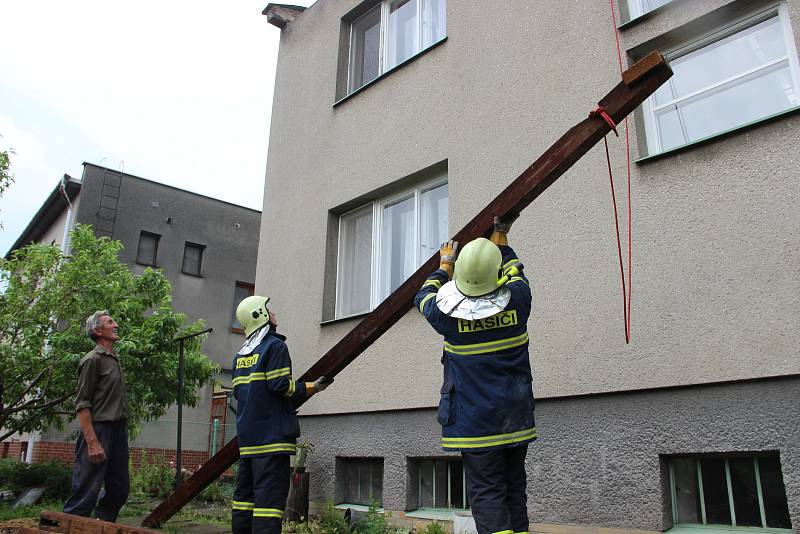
point(34, 437)
point(68, 224)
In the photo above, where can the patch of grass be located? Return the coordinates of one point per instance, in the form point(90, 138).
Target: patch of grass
point(433, 528)
point(216, 514)
point(7, 510)
point(138, 505)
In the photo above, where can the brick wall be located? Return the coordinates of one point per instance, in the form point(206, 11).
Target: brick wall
point(13, 449)
point(64, 452)
point(47, 451)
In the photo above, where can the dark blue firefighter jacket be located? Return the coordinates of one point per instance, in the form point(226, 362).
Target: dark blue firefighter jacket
point(266, 418)
point(487, 395)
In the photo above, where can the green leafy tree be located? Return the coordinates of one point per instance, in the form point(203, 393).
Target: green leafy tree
point(42, 333)
point(6, 178)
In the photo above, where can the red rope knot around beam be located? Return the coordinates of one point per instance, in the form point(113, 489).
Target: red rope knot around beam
point(603, 114)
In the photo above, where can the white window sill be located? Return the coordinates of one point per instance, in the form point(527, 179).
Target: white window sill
point(345, 318)
point(356, 507)
point(719, 135)
point(438, 514)
point(723, 529)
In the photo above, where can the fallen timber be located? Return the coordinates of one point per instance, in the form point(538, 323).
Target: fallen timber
point(72, 524)
point(638, 82)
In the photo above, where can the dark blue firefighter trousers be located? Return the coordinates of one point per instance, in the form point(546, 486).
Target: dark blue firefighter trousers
point(496, 485)
point(89, 478)
point(262, 487)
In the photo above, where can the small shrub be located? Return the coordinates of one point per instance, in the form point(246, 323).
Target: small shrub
point(9, 469)
point(331, 521)
point(18, 476)
point(217, 492)
point(56, 478)
point(376, 522)
point(153, 478)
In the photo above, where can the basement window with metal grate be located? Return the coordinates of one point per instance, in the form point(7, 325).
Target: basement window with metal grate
point(734, 490)
point(359, 481)
point(437, 484)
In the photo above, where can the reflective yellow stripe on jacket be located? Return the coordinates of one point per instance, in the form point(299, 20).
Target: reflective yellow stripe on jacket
point(489, 441)
point(272, 447)
point(269, 375)
point(435, 283)
point(242, 505)
point(292, 388)
point(489, 346)
point(424, 301)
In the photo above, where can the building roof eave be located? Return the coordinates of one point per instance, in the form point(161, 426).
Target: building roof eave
point(52, 207)
point(280, 15)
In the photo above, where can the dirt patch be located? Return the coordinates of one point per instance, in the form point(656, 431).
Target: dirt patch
point(12, 525)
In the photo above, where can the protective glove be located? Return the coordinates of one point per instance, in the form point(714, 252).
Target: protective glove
point(501, 228)
point(447, 256)
point(318, 385)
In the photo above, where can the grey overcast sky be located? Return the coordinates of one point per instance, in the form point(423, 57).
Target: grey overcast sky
point(175, 91)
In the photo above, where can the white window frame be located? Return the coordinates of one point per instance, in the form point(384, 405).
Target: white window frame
point(383, 48)
point(377, 275)
point(651, 110)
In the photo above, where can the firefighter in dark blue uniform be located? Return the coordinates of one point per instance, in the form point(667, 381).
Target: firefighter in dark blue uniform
point(486, 408)
point(266, 420)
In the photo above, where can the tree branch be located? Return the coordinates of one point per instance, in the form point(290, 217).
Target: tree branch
point(31, 406)
point(9, 407)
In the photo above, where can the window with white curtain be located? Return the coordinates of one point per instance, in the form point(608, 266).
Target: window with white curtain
point(637, 8)
point(384, 242)
point(390, 33)
point(742, 73)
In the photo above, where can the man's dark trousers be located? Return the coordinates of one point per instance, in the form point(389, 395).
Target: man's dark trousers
point(88, 478)
point(262, 487)
point(496, 486)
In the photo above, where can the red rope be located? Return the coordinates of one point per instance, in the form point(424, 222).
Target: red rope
point(626, 295)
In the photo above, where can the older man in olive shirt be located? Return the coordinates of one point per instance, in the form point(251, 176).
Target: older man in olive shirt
point(101, 452)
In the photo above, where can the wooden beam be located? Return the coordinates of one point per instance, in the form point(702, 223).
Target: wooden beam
point(639, 82)
point(68, 523)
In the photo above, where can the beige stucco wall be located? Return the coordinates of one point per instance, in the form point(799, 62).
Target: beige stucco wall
point(716, 283)
point(55, 233)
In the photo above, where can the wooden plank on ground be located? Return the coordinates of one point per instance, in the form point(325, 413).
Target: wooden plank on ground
point(639, 82)
point(73, 524)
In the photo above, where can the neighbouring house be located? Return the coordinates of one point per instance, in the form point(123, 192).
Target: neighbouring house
point(206, 248)
point(396, 121)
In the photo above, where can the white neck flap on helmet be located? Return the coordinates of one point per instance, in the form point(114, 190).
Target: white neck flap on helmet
point(455, 304)
point(253, 341)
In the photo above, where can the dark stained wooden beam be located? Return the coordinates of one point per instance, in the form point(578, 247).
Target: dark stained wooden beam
point(639, 82)
point(67, 523)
